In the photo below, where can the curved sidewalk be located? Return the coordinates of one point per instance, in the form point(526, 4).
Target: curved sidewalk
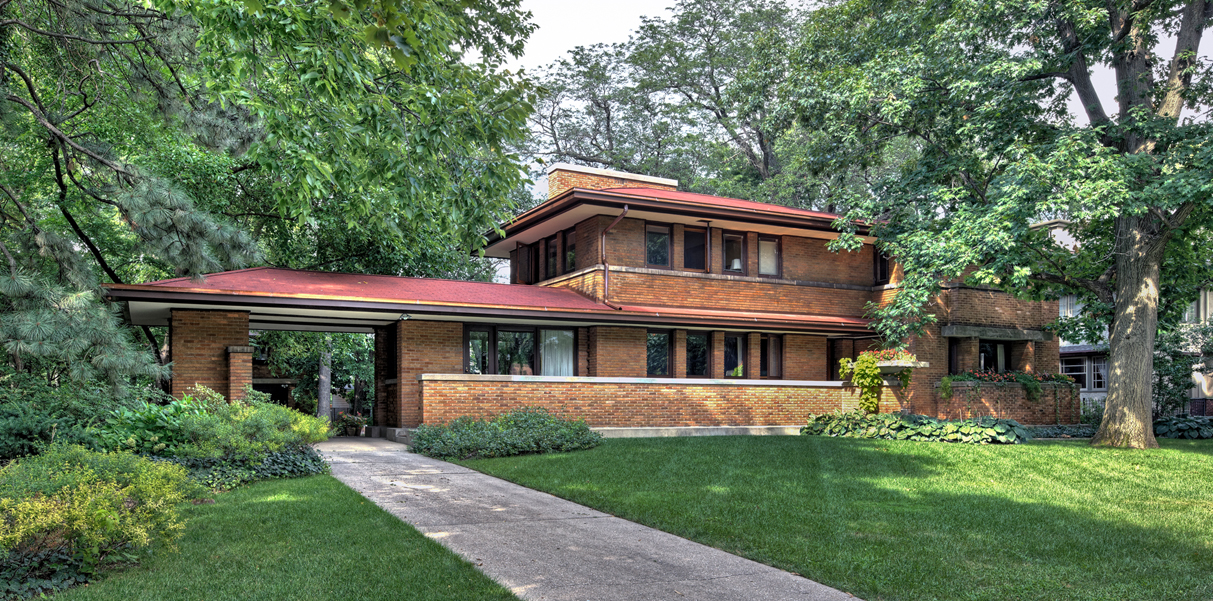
point(543, 547)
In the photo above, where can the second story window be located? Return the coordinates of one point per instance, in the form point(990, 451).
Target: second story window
point(734, 253)
point(768, 256)
point(883, 269)
point(657, 245)
point(553, 258)
point(694, 248)
point(570, 250)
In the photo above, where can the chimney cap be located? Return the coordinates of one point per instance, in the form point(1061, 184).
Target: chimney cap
point(636, 177)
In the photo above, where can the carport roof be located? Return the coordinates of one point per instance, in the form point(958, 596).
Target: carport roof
point(288, 299)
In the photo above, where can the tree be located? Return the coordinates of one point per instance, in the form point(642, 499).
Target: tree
point(980, 88)
point(363, 120)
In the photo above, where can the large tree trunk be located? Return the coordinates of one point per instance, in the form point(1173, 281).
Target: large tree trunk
point(1128, 419)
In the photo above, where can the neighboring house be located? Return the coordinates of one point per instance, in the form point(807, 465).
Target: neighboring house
point(1088, 363)
point(631, 304)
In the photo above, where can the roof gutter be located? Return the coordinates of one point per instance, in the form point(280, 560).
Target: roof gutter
point(606, 267)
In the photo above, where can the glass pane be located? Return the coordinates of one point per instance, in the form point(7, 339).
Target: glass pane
point(516, 353)
point(776, 366)
point(1099, 371)
point(694, 247)
point(1002, 358)
point(733, 353)
point(557, 355)
point(768, 257)
point(659, 354)
point(697, 354)
point(478, 352)
point(657, 246)
point(1077, 369)
point(570, 252)
point(733, 261)
point(764, 357)
point(553, 260)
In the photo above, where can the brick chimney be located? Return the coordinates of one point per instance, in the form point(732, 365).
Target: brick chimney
point(563, 176)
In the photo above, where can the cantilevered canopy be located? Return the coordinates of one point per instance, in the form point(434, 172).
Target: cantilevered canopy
point(286, 299)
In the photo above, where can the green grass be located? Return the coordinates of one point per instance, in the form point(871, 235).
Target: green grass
point(905, 520)
point(307, 538)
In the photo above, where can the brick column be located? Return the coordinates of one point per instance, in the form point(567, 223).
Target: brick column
point(753, 360)
point(426, 347)
point(680, 354)
point(199, 341)
point(381, 376)
point(239, 371)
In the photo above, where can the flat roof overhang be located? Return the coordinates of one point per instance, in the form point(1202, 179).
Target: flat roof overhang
point(579, 204)
point(152, 306)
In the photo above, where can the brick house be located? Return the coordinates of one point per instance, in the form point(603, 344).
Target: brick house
point(630, 304)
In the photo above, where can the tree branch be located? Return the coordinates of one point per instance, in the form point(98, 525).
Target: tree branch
point(1196, 15)
point(64, 137)
point(67, 36)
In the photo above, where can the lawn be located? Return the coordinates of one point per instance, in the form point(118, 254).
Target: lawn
point(914, 520)
point(308, 538)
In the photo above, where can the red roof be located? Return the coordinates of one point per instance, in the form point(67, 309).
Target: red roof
point(272, 281)
point(721, 202)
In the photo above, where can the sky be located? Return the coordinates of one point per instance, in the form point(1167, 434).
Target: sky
point(571, 23)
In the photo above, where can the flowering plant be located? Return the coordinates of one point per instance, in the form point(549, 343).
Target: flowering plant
point(891, 355)
point(1010, 376)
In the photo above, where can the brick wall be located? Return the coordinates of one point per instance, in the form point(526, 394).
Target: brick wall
point(970, 306)
point(616, 352)
point(679, 289)
point(239, 371)
point(609, 404)
point(198, 346)
point(588, 284)
point(804, 357)
point(426, 347)
point(560, 180)
point(1058, 404)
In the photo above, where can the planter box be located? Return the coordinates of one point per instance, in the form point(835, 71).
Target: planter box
point(892, 367)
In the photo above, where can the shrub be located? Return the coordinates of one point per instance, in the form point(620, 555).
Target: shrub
point(1194, 427)
point(527, 430)
point(1011, 376)
point(26, 430)
point(225, 473)
point(70, 510)
point(1073, 431)
point(204, 425)
point(889, 426)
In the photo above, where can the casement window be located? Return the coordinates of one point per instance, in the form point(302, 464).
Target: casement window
point(1099, 373)
point(552, 264)
point(695, 248)
point(659, 354)
point(570, 250)
point(882, 268)
point(992, 356)
point(698, 350)
point(1076, 367)
point(771, 356)
point(734, 253)
point(657, 245)
point(769, 256)
point(519, 351)
point(734, 355)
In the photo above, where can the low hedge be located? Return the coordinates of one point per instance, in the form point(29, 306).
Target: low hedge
point(226, 473)
point(69, 511)
point(1070, 431)
point(892, 426)
point(1192, 427)
point(522, 431)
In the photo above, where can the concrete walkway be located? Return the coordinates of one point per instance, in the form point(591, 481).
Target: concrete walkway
point(542, 547)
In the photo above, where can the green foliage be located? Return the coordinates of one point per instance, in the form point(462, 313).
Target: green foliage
point(205, 426)
point(866, 374)
point(1031, 386)
point(528, 430)
point(297, 354)
point(226, 473)
point(1178, 355)
point(69, 511)
point(1067, 431)
point(1002, 377)
point(889, 426)
point(1191, 427)
point(24, 430)
point(945, 387)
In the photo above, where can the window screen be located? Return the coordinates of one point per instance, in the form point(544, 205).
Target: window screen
point(657, 245)
point(694, 249)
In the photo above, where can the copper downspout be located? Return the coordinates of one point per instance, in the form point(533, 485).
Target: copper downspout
point(606, 268)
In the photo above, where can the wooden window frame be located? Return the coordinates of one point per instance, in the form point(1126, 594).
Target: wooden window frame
point(669, 352)
point(778, 256)
point(707, 248)
point(537, 356)
point(552, 271)
point(877, 257)
point(669, 244)
point(707, 368)
point(765, 342)
point(745, 254)
point(564, 251)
